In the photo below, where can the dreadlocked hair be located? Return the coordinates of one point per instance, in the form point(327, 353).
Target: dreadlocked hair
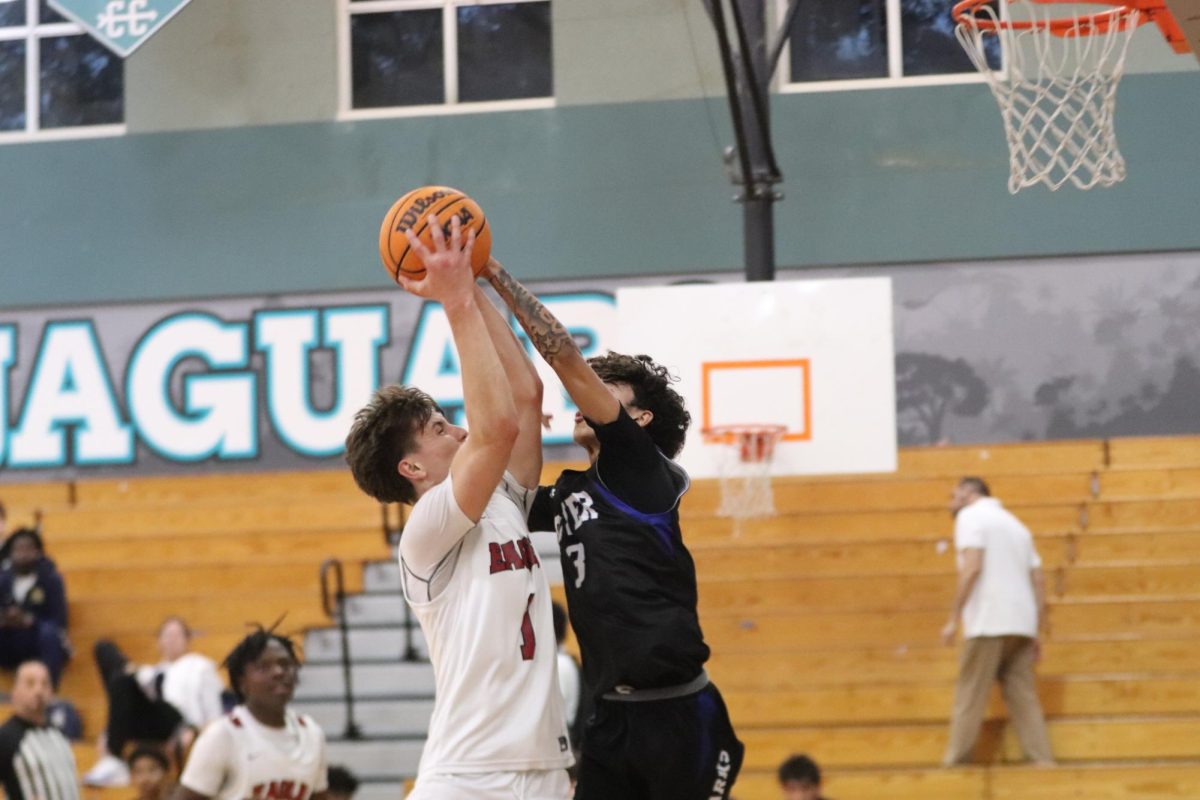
point(651, 384)
point(249, 649)
point(383, 433)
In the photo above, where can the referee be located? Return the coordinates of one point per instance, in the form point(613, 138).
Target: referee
point(36, 762)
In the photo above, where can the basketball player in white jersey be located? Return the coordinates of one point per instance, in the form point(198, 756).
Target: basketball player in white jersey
point(469, 570)
point(261, 750)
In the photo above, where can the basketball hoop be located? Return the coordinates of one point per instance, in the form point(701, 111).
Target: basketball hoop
point(1058, 89)
point(745, 469)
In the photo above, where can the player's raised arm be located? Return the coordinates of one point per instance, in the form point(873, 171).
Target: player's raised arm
point(479, 464)
point(525, 463)
point(556, 345)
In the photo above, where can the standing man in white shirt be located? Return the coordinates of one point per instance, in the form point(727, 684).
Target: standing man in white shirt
point(469, 569)
point(1001, 598)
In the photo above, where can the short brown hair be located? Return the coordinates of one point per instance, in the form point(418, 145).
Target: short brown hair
point(383, 433)
point(977, 485)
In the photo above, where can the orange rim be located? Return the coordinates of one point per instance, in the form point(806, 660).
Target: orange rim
point(965, 12)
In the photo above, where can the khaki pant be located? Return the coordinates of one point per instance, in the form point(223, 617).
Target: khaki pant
point(984, 660)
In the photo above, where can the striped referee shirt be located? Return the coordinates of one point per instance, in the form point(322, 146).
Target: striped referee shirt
point(36, 762)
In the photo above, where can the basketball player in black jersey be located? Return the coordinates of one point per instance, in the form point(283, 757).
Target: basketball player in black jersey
point(658, 729)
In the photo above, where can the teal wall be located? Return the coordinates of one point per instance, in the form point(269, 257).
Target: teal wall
point(889, 176)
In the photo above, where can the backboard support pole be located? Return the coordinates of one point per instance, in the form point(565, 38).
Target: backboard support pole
point(748, 64)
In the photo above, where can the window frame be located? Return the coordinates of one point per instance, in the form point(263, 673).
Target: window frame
point(32, 35)
point(346, 111)
point(895, 78)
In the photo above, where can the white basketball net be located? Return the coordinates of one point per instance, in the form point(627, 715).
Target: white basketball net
point(1057, 93)
point(744, 462)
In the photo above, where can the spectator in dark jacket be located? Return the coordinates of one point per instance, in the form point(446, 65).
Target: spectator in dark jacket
point(33, 606)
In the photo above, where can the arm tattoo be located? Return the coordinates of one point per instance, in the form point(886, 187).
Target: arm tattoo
point(548, 335)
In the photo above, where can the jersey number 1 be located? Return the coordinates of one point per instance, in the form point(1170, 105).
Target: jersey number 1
point(528, 641)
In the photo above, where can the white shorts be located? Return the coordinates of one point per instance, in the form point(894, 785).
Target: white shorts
point(533, 785)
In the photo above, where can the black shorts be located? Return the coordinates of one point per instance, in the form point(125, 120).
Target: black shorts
point(680, 749)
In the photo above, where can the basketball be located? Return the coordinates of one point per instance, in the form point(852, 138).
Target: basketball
point(413, 210)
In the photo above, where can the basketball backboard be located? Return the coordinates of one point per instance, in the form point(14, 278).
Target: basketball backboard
point(813, 356)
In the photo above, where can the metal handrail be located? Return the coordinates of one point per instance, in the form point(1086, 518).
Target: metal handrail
point(391, 531)
point(334, 566)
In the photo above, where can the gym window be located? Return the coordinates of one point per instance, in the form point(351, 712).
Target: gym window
point(56, 81)
point(433, 56)
point(849, 44)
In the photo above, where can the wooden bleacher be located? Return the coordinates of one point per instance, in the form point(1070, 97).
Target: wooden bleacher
point(823, 620)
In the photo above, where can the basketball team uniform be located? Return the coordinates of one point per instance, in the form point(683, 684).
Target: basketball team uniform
point(658, 729)
point(497, 729)
point(236, 757)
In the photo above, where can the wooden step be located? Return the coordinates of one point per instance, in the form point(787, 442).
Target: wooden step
point(1144, 515)
point(809, 495)
point(1160, 580)
point(1132, 549)
point(173, 520)
point(728, 560)
point(923, 745)
point(1098, 782)
point(1164, 451)
point(222, 547)
point(931, 702)
point(233, 488)
point(1134, 483)
point(868, 525)
point(929, 591)
point(159, 584)
point(1151, 781)
point(781, 630)
point(205, 612)
point(989, 461)
point(889, 784)
point(738, 559)
point(786, 670)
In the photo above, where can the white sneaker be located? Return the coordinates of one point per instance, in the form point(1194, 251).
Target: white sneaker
point(108, 771)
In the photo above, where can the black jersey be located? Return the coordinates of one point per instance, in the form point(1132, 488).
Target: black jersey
point(631, 583)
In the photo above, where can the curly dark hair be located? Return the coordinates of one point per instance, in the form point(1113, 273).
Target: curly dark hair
point(247, 650)
point(383, 433)
point(651, 384)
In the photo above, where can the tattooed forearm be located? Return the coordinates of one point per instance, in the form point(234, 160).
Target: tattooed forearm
point(548, 335)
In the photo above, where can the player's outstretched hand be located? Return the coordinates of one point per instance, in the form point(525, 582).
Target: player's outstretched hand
point(448, 275)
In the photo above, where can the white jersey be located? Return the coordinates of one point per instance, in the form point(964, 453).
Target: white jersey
point(485, 611)
point(239, 758)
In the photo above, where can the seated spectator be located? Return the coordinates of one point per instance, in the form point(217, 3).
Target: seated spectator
point(800, 779)
point(342, 783)
point(33, 607)
point(36, 762)
point(150, 773)
point(63, 715)
point(165, 704)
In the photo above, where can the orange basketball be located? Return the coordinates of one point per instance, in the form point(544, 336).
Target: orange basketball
point(413, 210)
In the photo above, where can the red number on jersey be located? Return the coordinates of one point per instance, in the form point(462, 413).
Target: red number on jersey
point(528, 641)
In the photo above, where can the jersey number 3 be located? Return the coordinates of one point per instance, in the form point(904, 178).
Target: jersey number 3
point(528, 640)
point(576, 553)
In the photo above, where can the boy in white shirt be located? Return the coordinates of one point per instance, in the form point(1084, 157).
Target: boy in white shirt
point(261, 750)
point(469, 569)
